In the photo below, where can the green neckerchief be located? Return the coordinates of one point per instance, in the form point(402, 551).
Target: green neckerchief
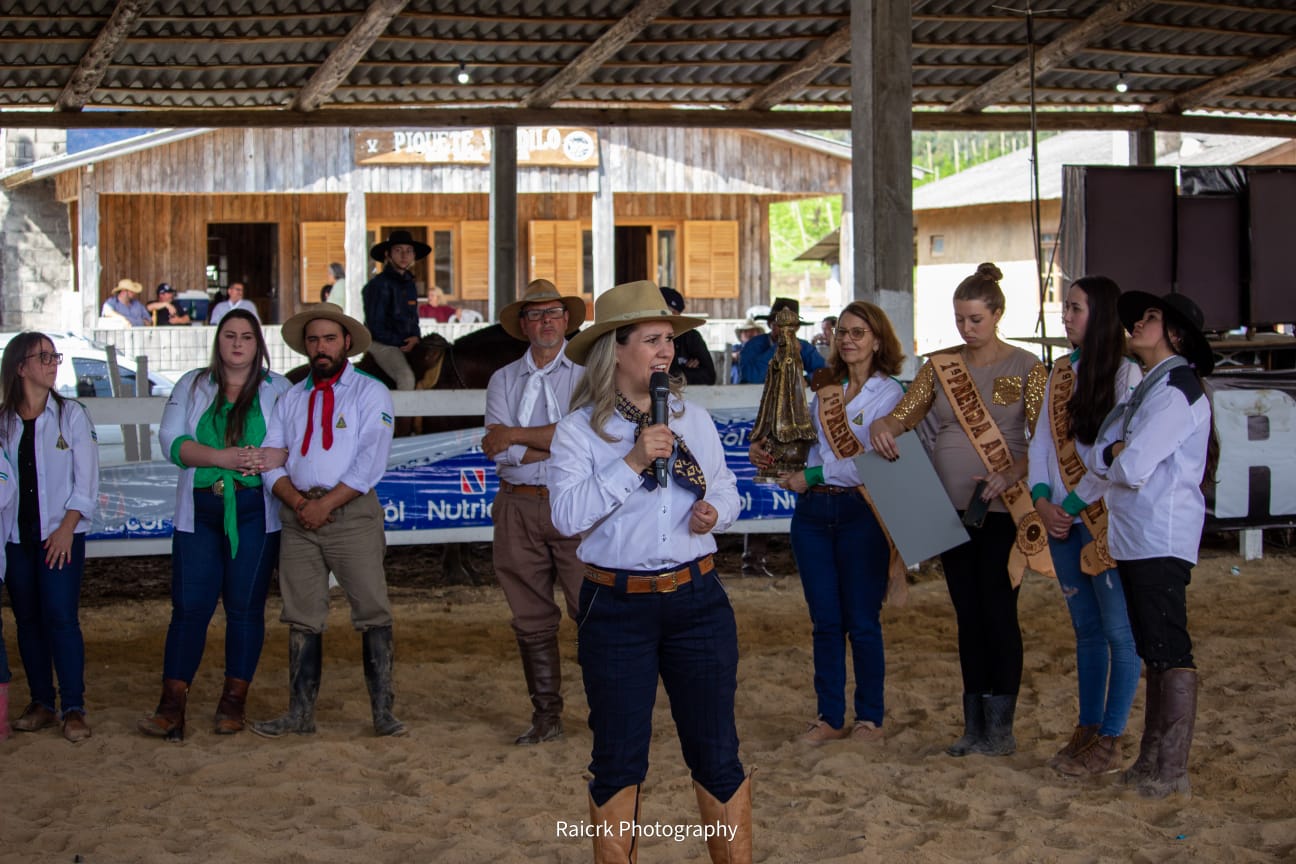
point(211, 432)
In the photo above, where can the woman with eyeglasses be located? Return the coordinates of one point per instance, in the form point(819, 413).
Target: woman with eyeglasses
point(51, 443)
point(841, 549)
point(226, 538)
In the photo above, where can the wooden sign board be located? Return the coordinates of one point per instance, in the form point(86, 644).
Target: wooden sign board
point(537, 145)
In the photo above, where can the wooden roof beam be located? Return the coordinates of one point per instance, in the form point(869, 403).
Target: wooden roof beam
point(1225, 84)
point(1016, 77)
point(604, 47)
point(342, 59)
point(94, 63)
point(799, 75)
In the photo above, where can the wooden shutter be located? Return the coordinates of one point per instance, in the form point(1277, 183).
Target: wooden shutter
point(322, 243)
point(710, 259)
point(556, 253)
point(474, 260)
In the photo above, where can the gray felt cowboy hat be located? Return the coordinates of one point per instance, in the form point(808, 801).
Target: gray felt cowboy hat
point(628, 303)
point(294, 329)
point(540, 291)
point(1180, 311)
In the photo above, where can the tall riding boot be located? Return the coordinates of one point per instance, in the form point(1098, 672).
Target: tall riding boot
point(378, 665)
point(168, 721)
point(1145, 766)
point(305, 655)
point(733, 843)
point(5, 731)
point(1178, 716)
point(230, 716)
point(999, 712)
point(542, 667)
point(973, 725)
point(614, 846)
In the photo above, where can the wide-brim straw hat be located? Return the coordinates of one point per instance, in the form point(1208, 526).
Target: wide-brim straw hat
point(127, 285)
point(625, 304)
point(1179, 310)
point(540, 291)
point(294, 329)
point(399, 238)
point(749, 324)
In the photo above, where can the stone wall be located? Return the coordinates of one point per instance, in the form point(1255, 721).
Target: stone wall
point(36, 273)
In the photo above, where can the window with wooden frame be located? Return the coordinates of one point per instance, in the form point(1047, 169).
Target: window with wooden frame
point(442, 267)
point(322, 243)
point(710, 256)
point(474, 258)
point(556, 251)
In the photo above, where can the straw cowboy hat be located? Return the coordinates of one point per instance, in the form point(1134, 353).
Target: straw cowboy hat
point(127, 285)
point(540, 291)
point(294, 329)
point(629, 303)
point(749, 325)
point(1180, 311)
point(399, 238)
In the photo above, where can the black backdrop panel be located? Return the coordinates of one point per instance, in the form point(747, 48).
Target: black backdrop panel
point(1273, 245)
point(1120, 223)
point(1209, 257)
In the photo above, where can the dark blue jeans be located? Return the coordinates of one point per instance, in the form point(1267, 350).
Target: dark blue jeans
point(203, 572)
point(687, 637)
point(843, 557)
point(46, 601)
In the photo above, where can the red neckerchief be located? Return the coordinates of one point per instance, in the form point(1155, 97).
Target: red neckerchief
point(326, 420)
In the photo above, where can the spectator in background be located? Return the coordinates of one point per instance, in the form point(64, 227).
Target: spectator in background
point(692, 356)
point(436, 307)
point(326, 291)
point(753, 360)
point(165, 312)
point(123, 304)
point(235, 300)
point(743, 333)
point(823, 340)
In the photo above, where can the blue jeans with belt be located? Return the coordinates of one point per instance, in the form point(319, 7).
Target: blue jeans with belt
point(843, 557)
point(687, 637)
point(1107, 665)
point(203, 572)
point(46, 603)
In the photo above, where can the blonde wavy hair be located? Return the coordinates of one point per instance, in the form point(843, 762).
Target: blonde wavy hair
point(597, 387)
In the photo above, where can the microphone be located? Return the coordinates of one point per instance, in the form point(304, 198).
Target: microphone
point(659, 387)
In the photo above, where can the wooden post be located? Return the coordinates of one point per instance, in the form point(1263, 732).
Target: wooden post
point(87, 266)
point(142, 389)
point(357, 255)
point(129, 442)
point(503, 219)
point(604, 222)
point(1142, 147)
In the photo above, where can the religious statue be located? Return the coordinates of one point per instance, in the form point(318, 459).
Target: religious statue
point(783, 419)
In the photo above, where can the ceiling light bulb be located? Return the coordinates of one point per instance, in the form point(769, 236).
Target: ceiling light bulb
point(1121, 86)
point(462, 75)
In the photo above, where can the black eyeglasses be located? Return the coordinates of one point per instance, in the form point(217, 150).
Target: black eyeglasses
point(855, 333)
point(46, 357)
point(546, 314)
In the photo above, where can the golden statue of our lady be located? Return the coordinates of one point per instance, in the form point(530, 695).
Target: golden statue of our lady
point(783, 419)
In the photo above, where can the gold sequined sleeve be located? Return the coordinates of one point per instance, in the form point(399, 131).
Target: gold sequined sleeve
point(917, 400)
point(1035, 383)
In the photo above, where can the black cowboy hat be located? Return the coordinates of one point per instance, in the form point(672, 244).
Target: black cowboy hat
point(1179, 310)
point(399, 238)
point(781, 303)
point(673, 298)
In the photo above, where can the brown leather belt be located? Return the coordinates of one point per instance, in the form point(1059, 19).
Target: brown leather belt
point(523, 489)
point(650, 583)
point(218, 488)
point(824, 489)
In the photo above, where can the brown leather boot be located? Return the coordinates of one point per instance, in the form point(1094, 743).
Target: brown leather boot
point(230, 714)
point(1178, 716)
point(1081, 736)
point(169, 719)
point(542, 666)
point(1101, 756)
point(1145, 765)
point(612, 846)
point(733, 842)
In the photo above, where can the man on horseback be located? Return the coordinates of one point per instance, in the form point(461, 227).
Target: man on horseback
point(391, 305)
point(524, 402)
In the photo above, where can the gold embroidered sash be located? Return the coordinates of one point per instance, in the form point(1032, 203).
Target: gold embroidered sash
point(1030, 547)
point(1094, 558)
point(844, 444)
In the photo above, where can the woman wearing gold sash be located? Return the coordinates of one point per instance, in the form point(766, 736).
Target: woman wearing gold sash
point(841, 549)
point(997, 391)
point(1069, 500)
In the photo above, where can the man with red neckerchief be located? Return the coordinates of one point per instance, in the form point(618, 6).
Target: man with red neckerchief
point(337, 428)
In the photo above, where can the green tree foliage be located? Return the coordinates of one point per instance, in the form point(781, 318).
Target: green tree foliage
point(941, 154)
point(795, 226)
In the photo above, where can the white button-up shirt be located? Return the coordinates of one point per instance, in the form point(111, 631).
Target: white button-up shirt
point(190, 399)
point(362, 434)
point(876, 398)
point(8, 502)
point(503, 399)
point(224, 307)
point(1155, 504)
point(595, 494)
point(67, 465)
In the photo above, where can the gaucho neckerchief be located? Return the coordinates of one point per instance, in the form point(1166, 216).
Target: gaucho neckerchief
point(1094, 558)
point(1030, 547)
point(844, 444)
point(681, 465)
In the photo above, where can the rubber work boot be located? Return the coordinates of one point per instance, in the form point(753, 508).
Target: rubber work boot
point(1145, 766)
point(734, 845)
point(1178, 716)
point(305, 653)
point(542, 666)
point(1081, 737)
point(378, 664)
point(999, 712)
point(230, 711)
point(168, 721)
point(973, 725)
point(616, 846)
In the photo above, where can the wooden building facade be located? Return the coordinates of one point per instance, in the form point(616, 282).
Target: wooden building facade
point(274, 207)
